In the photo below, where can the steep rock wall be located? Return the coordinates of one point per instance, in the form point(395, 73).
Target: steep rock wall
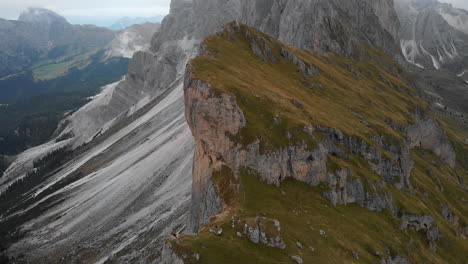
point(339, 27)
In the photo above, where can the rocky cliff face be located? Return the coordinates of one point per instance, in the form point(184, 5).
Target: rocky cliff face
point(325, 26)
point(428, 134)
point(226, 111)
point(131, 40)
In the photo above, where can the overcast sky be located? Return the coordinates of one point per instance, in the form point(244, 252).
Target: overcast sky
point(89, 11)
point(458, 3)
point(103, 11)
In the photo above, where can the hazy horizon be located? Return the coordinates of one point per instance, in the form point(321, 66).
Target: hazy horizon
point(100, 13)
point(106, 12)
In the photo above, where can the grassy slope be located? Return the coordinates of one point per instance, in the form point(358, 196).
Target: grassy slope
point(348, 229)
point(70, 57)
point(265, 90)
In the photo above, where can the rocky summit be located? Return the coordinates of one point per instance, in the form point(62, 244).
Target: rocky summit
point(267, 131)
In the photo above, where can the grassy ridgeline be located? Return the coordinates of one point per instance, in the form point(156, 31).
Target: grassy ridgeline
point(365, 98)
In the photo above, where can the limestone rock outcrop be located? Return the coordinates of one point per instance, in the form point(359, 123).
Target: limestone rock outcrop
point(428, 134)
point(425, 223)
point(260, 230)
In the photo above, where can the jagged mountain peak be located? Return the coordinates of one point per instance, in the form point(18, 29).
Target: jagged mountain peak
point(326, 26)
point(41, 15)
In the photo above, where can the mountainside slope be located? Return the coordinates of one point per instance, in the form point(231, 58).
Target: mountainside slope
point(427, 39)
point(354, 132)
point(136, 141)
point(131, 40)
point(456, 17)
point(128, 153)
point(116, 197)
point(126, 22)
point(433, 38)
point(76, 62)
point(39, 31)
point(326, 26)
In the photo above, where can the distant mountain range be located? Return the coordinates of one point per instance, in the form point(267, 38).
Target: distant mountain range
point(49, 67)
point(41, 33)
point(126, 22)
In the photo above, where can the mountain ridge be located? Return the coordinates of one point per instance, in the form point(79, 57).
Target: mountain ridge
point(126, 22)
point(239, 135)
point(132, 150)
point(155, 78)
point(56, 68)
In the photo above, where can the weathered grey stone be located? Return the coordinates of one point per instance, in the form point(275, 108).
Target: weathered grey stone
point(168, 256)
point(261, 231)
point(396, 173)
point(297, 104)
point(428, 134)
point(253, 233)
point(450, 216)
point(416, 222)
point(425, 223)
point(216, 230)
point(308, 70)
point(355, 255)
point(465, 231)
point(261, 48)
point(323, 233)
point(297, 259)
point(311, 24)
point(395, 260)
